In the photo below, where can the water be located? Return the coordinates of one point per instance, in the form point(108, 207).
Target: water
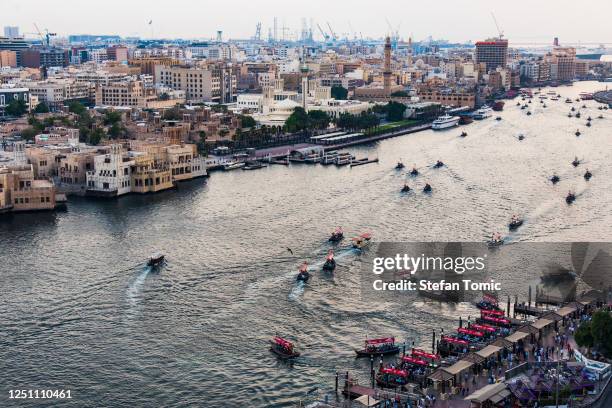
point(80, 310)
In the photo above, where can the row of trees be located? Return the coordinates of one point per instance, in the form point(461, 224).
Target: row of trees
point(300, 120)
point(393, 111)
point(365, 121)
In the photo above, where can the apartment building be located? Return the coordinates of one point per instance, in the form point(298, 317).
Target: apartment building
point(447, 97)
point(210, 84)
point(111, 175)
point(20, 191)
point(8, 58)
point(493, 53)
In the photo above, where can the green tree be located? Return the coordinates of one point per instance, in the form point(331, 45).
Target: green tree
point(172, 114)
point(115, 130)
point(112, 117)
point(41, 108)
point(339, 92)
point(29, 133)
point(583, 335)
point(202, 143)
point(77, 107)
point(318, 119)
point(16, 107)
point(247, 121)
point(601, 330)
point(96, 136)
point(297, 121)
point(395, 111)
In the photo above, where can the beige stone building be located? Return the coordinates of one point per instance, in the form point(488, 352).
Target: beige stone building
point(20, 191)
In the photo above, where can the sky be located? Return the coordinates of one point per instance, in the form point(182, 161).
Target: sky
point(522, 21)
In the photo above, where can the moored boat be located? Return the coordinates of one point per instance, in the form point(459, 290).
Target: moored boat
point(465, 119)
point(378, 347)
point(444, 122)
point(483, 113)
point(498, 106)
point(233, 165)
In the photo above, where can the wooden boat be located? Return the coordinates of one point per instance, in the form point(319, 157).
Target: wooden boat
point(283, 348)
point(155, 259)
point(498, 106)
point(362, 240)
point(303, 274)
point(233, 165)
point(330, 263)
point(337, 235)
point(515, 223)
point(389, 377)
point(378, 347)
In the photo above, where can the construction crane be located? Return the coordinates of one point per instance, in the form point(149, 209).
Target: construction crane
point(331, 30)
point(499, 31)
point(323, 33)
point(46, 39)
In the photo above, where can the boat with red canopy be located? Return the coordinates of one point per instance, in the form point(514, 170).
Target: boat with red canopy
point(496, 321)
point(452, 346)
point(470, 332)
point(283, 348)
point(424, 354)
point(390, 377)
point(362, 240)
point(499, 313)
point(414, 361)
point(378, 347)
point(488, 302)
point(483, 328)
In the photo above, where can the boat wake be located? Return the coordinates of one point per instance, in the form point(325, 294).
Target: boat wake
point(135, 289)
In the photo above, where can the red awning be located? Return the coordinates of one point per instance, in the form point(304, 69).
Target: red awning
point(470, 332)
point(382, 340)
point(483, 327)
point(492, 312)
point(394, 371)
point(421, 353)
point(412, 360)
point(496, 319)
point(454, 340)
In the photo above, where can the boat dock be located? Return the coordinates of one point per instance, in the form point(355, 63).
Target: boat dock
point(361, 162)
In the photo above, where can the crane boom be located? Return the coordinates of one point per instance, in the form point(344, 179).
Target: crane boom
point(499, 31)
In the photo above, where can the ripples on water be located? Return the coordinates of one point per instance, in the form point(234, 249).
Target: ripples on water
point(80, 311)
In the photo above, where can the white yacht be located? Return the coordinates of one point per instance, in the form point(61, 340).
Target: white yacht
point(444, 122)
point(483, 113)
point(232, 165)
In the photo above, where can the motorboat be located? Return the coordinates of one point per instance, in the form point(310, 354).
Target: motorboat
point(529, 101)
point(253, 166)
point(573, 109)
point(399, 165)
point(438, 164)
point(233, 165)
point(588, 124)
point(578, 115)
point(515, 223)
point(378, 347)
point(463, 134)
point(555, 179)
point(584, 106)
point(589, 119)
point(283, 348)
point(577, 132)
point(444, 122)
point(465, 119)
point(495, 241)
point(575, 162)
point(498, 118)
point(569, 115)
point(528, 113)
point(600, 117)
point(521, 137)
point(156, 259)
point(414, 172)
point(337, 235)
point(518, 104)
point(570, 198)
point(544, 106)
point(588, 175)
point(362, 241)
point(405, 188)
point(427, 188)
point(303, 274)
point(483, 113)
point(330, 263)
point(389, 377)
point(523, 107)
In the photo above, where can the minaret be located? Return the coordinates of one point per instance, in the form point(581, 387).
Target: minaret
point(304, 70)
point(387, 71)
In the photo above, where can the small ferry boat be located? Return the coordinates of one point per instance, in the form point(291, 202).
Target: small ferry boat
point(343, 159)
point(362, 241)
point(303, 274)
point(378, 347)
point(600, 117)
point(253, 166)
point(569, 115)
point(414, 172)
point(438, 164)
point(568, 100)
point(578, 115)
point(399, 165)
point(330, 158)
point(570, 198)
point(405, 188)
point(337, 235)
point(389, 377)
point(588, 175)
point(444, 122)
point(463, 134)
point(156, 259)
point(575, 162)
point(283, 348)
point(466, 119)
point(515, 222)
point(588, 124)
point(498, 106)
point(233, 165)
point(498, 118)
point(495, 241)
point(483, 113)
point(488, 302)
point(528, 113)
point(554, 179)
point(589, 119)
point(330, 263)
point(521, 137)
point(427, 188)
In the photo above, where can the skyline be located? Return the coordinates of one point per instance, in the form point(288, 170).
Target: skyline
point(572, 23)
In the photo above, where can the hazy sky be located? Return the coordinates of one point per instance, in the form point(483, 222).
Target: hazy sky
point(456, 20)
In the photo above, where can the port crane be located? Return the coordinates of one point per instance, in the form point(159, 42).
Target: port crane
point(46, 38)
point(323, 33)
point(331, 30)
point(257, 36)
